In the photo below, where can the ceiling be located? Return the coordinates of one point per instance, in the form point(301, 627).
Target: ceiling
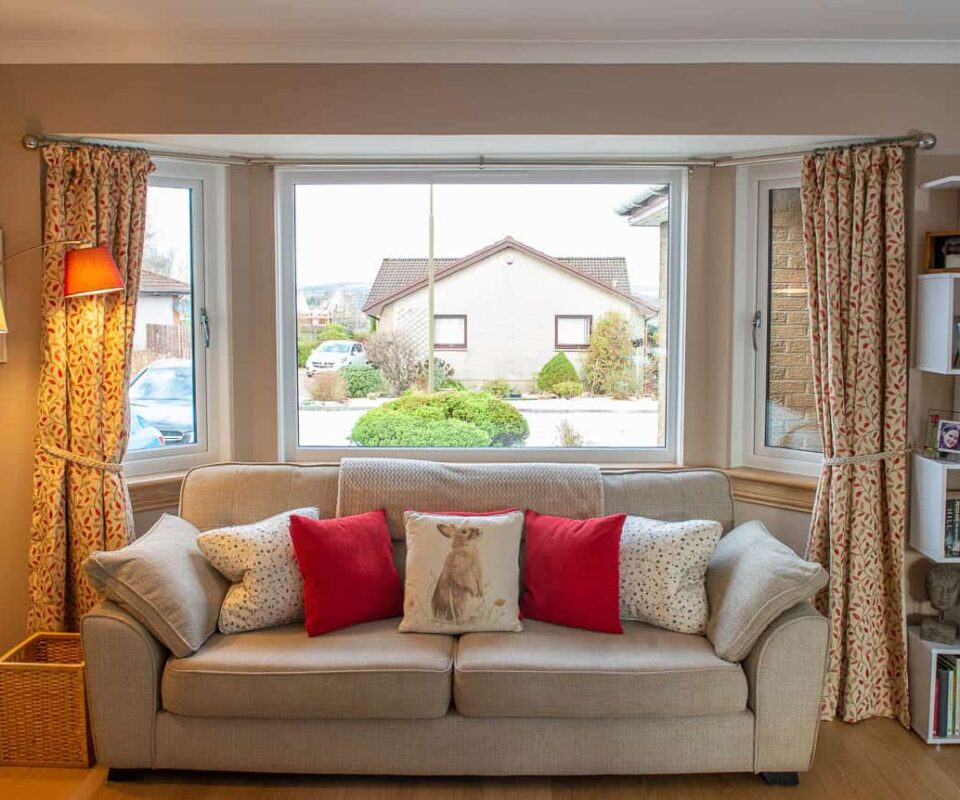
point(494, 31)
point(360, 147)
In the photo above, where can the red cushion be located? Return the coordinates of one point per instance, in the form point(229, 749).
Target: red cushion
point(348, 570)
point(571, 571)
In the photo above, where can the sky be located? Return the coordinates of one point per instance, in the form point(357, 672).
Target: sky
point(345, 230)
point(168, 226)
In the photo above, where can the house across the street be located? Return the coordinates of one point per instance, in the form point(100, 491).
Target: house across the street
point(506, 309)
point(162, 303)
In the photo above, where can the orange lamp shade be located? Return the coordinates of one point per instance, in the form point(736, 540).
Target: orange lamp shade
point(91, 270)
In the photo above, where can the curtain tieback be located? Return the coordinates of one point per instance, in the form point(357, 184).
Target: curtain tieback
point(83, 461)
point(866, 458)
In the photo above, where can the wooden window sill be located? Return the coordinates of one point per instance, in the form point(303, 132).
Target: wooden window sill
point(759, 486)
point(776, 489)
point(155, 492)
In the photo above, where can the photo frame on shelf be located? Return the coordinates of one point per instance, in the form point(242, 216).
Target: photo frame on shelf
point(943, 434)
point(942, 251)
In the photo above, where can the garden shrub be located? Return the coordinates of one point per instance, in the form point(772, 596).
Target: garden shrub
point(498, 387)
point(449, 419)
point(362, 379)
point(450, 383)
point(396, 355)
point(304, 348)
point(568, 389)
point(568, 436)
point(333, 330)
point(558, 369)
point(610, 355)
point(442, 371)
point(328, 386)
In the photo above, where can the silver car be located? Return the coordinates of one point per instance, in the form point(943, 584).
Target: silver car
point(334, 354)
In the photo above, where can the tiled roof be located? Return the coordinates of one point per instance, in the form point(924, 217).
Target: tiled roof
point(155, 283)
point(396, 274)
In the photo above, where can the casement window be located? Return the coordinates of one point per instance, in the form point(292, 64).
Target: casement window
point(774, 420)
point(572, 332)
point(450, 331)
point(179, 414)
point(531, 261)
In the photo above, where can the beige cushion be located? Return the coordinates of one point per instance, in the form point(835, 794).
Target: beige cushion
point(463, 573)
point(258, 559)
point(553, 671)
point(366, 671)
point(164, 582)
point(751, 580)
point(662, 569)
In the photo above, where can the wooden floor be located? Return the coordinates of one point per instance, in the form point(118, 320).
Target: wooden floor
point(874, 760)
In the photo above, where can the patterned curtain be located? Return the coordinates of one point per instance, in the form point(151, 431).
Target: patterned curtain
point(80, 500)
point(856, 276)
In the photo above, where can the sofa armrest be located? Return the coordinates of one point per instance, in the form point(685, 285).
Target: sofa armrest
point(124, 663)
point(785, 672)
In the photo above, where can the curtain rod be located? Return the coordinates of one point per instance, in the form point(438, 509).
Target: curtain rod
point(921, 141)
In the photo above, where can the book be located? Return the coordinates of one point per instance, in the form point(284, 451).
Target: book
point(943, 678)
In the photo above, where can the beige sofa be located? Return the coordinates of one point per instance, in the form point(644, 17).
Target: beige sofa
point(367, 699)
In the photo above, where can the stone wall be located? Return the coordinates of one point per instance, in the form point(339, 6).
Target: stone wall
point(791, 411)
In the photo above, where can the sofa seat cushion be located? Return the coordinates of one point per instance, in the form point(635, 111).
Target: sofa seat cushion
point(365, 671)
point(553, 671)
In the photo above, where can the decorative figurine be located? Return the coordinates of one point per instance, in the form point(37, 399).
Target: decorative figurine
point(943, 592)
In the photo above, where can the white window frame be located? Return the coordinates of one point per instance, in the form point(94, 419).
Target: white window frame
point(749, 384)
point(210, 291)
point(286, 181)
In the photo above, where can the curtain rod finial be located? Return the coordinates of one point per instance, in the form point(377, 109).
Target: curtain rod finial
point(30, 142)
point(926, 141)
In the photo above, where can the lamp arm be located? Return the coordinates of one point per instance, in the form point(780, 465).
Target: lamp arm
point(41, 247)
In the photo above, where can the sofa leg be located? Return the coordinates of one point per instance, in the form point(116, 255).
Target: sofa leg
point(119, 775)
point(781, 778)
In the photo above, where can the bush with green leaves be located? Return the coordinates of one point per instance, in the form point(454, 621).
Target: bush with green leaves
point(568, 389)
point(609, 361)
point(450, 383)
point(498, 387)
point(558, 369)
point(442, 371)
point(333, 330)
point(447, 419)
point(362, 379)
point(304, 348)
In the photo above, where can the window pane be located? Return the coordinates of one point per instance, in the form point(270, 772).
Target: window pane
point(162, 392)
point(791, 417)
point(450, 331)
point(573, 331)
point(517, 267)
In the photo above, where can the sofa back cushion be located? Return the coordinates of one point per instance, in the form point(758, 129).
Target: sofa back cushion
point(237, 494)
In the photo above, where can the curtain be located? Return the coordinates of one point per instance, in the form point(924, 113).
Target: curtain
point(854, 255)
point(80, 500)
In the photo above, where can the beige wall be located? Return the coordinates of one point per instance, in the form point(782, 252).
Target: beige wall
point(827, 100)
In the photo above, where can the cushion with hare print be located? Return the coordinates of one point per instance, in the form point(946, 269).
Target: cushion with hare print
point(663, 568)
point(463, 572)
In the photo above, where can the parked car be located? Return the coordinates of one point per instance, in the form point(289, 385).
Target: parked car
point(333, 355)
point(161, 394)
point(142, 436)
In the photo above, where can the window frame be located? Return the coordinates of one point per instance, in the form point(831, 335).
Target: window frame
point(751, 294)
point(558, 345)
point(209, 290)
point(463, 345)
point(286, 180)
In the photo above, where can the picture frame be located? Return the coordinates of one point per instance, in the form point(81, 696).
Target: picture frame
point(941, 251)
point(948, 436)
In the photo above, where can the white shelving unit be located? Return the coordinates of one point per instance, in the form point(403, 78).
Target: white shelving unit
point(932, 479)
point(938, 306)
point(923, 674)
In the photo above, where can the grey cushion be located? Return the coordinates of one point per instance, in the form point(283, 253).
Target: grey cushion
point(553, 671)
point(751, 580)
point(365, 671)
point(164, 582)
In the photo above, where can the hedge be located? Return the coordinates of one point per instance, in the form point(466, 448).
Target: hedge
point(447, 419)
point(362, 379)
point(558, 369)
point(568, 389)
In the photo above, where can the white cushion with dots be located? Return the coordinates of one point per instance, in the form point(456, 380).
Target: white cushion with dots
point(260, 562)
point(663, 569)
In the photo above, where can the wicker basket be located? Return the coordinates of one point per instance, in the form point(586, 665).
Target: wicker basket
point(43, 705)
